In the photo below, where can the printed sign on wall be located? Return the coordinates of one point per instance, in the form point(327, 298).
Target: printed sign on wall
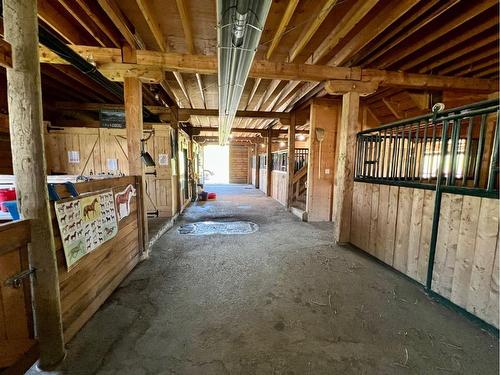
point(85, 224)
point(123, 199)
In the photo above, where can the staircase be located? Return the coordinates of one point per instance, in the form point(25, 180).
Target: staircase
point(299, 186)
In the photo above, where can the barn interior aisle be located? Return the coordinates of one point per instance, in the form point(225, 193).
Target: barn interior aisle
point(282, 300)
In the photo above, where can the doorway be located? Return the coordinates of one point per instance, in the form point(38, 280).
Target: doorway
point(216, 168)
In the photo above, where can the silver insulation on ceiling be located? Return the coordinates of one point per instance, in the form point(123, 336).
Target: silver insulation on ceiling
point(239, 28)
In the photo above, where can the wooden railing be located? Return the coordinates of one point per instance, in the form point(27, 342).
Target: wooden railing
point(299, 182)
point(18, 348)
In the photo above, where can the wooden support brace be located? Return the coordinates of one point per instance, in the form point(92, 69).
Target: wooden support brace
point(269, 160)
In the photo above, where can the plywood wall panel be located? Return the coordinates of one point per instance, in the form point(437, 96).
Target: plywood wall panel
point(279, 186)
point(238, 164)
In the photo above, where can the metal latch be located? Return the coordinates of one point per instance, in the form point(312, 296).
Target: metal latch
point(16, 280)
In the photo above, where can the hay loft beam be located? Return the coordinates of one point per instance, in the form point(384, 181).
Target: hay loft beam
point(109, 62)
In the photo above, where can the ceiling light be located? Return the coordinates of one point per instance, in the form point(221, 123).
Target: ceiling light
point(301, 137)
point(282, 144)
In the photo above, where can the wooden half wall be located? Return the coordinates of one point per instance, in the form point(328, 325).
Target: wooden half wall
point(238, 164)
point(394, 224)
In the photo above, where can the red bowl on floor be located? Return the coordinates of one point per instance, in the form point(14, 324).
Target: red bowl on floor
point(5, 196)
point(212, 196)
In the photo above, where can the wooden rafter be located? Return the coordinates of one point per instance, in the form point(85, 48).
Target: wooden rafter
point(119, 20)
point(373, 28)
point(457, 54)
point(445, 28)
point(391, 108)
point(186, 25)
point(311, 29)
point(445, 6)
point(353, 16)
point(104, 26)
point(488, 54)
point(287, 16)
point(450, 44)
point(153, 24)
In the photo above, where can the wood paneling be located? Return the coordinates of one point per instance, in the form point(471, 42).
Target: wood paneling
point(16, 324)
point(263, 180)
point(467, 262)
point(92, 280)
point(394, 224)
point(279, 186)
point(238, 164)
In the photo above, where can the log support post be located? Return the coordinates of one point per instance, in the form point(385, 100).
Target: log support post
point(291, 159)
point(135, 133)
point(176, 181)
point(28, 155)
point(269, 160)
point(349, 126)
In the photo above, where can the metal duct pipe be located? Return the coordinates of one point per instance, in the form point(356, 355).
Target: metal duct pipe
point(239, 28)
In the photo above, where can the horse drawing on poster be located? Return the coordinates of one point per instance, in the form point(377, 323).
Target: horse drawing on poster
point(122, 200)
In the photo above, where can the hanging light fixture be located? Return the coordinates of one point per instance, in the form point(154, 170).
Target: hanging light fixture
point(239, 27)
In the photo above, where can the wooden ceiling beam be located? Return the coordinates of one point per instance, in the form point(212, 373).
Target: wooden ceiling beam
point(450, 43)
point(458, 54)
point(311, 29)
point(445, 28)
point(489, 54)
point(119, 20)
point(150, 61)
point(83, 19)
point(61, 24)
point(445, 6)
point(186, 25)
point(371, 30)
point(285, 20)
point(152, 23)
point(394, 32)
point(92, 13)
point(487, 72)
point(353, 16)
point(493, 60)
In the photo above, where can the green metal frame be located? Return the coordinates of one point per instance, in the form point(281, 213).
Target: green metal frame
point(369, 151)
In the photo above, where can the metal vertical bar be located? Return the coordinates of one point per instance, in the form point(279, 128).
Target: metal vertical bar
point(408, 154)
point(433, 147)
point(466, 164)
point(480, 150)
point(402, 149)
point(422, 152)
point(394, 152)
point(383, 155)
point(437, 208)
point(365, 153)
point(454, 151)
point(379, 146)
point(415, 152)
point(494, 157)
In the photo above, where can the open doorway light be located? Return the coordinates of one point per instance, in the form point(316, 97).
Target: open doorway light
point(216, 160)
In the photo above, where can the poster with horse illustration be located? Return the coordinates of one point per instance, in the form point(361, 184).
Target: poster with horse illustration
point(123, 199)
point(85, 223)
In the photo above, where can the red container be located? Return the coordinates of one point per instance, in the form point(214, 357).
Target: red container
point(7, 195)
point(212, 196)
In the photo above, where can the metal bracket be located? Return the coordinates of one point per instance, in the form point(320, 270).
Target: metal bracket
point(16, 280)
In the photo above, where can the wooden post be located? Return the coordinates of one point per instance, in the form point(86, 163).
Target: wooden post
point(133, 118)
point(349, 126)
point(28, 155)
point(257, 166)
point(291, 159)
point(174, 123)
point(269, 161)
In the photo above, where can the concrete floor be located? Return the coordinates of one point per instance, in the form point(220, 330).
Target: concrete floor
point(283, 300)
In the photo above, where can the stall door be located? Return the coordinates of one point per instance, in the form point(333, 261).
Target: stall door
point(18, 348)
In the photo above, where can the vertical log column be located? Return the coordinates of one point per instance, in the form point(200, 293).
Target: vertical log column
point(28, 155)
point(349, 126)
point(174, 123)
point(269, 161)
point(291, 159)
point(133, 118)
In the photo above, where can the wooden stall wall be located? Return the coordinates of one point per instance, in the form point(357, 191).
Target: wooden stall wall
point(91, 281)
point(279, 186)
point(263, 180)
point(394, 224)
point(101, 149)
point(253, 176)
point(16, 321)
point(466, 268)
point(238, 164)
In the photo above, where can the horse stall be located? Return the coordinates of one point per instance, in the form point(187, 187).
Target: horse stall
point(442, 232)
point(279, 177)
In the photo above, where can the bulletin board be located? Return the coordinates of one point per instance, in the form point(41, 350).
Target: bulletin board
point(85, 223)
